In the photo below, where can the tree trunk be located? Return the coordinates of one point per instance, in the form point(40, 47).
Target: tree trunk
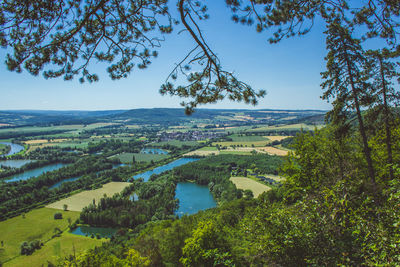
point(387, 122)
point(367, 151)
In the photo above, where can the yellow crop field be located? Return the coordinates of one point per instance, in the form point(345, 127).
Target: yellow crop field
point(242, 143)
point(247, 183)
point(277, 137)
point(202, 153)
point(273, 151)
point(78, 201)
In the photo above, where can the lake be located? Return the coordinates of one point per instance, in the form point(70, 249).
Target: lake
point(15, 148)
point(193, 198)
point(166, 167)
point(14, 163)
point(153, 151)
point(88, 231)
point(35, 172)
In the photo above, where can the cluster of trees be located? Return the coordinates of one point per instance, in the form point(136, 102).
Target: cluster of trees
point(22, 196)
point(27, 248)
point(156, 202)
point(114, 146)
point(4, 149)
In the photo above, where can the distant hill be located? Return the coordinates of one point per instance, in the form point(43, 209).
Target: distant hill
point(239, 116)
point(48, 117)
point(162, 116)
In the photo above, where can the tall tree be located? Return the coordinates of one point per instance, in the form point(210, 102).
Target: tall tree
point(343, 78)
point(383, 72)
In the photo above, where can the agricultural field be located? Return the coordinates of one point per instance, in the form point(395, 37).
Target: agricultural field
point(34, 144)
point(209, 151)
point(277, 137)
point(78, 201)
point(273, 151)
point(37, 224)
point(70, 128)
point(127, 157)
point(247, 183)
point(247, 138)
point(204, 151)
point(242, 143)
point(289, 127)
point(176, 143)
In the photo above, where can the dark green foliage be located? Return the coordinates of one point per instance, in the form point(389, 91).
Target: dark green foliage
point(58, 216)
point(22, 196)
point(29, 248)
point(156, 202)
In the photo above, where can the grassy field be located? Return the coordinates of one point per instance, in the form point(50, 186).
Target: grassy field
point(297, 126)
point(38, 224)
point(235, 152)
point(247, 183)
point(242, 143)
point(73, 128)
point(78, 201)
point(249, 138)
point(56, 249)
point(68, 143)
point(176, 143)
point(207, 148)
point(127, 157)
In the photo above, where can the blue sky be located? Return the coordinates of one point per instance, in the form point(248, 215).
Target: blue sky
point(288, 71)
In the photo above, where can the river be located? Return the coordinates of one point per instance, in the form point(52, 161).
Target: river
point(166, 167)
point(15, 148)
point(14, 163)
point(34, 172)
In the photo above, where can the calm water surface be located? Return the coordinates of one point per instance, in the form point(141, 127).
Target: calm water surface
point(14, 163)
point(15, 148)
point(193, 198)
point(35, 172)
point(88, 231)
point(166, 167)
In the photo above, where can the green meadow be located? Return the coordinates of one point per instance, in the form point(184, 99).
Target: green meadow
point(38, 224)
point(127, 157)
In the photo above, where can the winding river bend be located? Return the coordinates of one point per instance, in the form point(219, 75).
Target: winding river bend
point(15, 148)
